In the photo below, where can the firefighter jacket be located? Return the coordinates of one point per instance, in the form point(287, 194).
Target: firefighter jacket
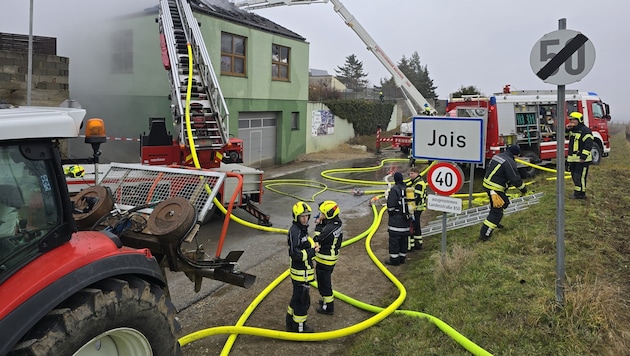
point(396, 208)
point(301, 252)
point(329, 235)
point(580, 143)
point(502, 172)
point(420, 192)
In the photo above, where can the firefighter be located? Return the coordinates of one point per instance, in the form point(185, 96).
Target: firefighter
point(579, 158)
point(302, 249)
point(398, 223)
point(500, 174)
point(329, 235)
point(419, 187)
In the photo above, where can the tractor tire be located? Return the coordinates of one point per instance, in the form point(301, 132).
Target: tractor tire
point(115, 316)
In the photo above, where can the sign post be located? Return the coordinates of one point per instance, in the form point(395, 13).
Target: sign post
point(445, 179)
point(561, 57)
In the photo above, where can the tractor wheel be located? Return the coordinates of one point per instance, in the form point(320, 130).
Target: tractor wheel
point(116, 316)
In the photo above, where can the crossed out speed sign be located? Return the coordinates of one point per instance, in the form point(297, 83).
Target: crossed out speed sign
point(562, 57)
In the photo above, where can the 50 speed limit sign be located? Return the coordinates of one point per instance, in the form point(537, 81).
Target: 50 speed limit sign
point(445, 178)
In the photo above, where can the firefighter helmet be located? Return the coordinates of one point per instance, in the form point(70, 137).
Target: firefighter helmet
point(329, 208)
point(300, 208)
point(576, 116)
point(74, 171)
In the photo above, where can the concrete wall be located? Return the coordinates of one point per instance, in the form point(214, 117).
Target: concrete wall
point(343, 130)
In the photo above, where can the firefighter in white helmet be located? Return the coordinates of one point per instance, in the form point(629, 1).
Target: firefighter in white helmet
point(579, 158)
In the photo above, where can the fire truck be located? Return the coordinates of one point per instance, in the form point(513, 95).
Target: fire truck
point(84, 275)
point(529, 119)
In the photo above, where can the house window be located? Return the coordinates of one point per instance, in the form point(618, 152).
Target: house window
point(279, 62)
point(232, 54)
point(295, 121)
point(122, 52)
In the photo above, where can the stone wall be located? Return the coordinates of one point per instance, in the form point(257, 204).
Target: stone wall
point(49, 81)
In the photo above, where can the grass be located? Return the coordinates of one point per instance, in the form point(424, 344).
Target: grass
point(502, 294)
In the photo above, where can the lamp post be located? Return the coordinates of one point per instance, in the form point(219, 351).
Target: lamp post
point(29, 75)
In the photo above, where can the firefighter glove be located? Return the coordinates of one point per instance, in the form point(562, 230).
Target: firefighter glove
point(497, 201)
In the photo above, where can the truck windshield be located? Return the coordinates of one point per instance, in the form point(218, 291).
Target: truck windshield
point(29, 206)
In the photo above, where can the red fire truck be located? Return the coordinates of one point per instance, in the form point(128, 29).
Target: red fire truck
point(529, 118)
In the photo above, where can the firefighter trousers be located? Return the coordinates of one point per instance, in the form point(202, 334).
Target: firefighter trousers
point(494, 216)
point(579, 172)
point(324, 281)
point(300, 301)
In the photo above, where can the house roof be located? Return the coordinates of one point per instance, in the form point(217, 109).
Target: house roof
point(227, 11)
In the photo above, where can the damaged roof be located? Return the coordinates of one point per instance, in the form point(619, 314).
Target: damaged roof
point(225, 10)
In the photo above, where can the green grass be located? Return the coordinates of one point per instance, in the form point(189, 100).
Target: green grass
point(502, 295)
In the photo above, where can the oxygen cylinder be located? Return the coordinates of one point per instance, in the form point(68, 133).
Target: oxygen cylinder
point(410, 200)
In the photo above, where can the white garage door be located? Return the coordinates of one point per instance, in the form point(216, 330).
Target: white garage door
point(258, 132)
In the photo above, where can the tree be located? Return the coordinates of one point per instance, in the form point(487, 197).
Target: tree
point(417, 74)
point(351, 74)
point(469, 90)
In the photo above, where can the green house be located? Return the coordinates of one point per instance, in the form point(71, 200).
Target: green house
point(262, 70)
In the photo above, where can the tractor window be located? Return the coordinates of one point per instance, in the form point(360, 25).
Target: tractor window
point(29, 206)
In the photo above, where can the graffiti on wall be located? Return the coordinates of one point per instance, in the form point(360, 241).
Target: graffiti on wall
point(323, 123)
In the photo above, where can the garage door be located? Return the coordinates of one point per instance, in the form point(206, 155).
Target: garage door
point(258, 132)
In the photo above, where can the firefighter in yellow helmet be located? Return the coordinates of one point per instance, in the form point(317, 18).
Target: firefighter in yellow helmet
point(419, 186)
point(579, 157)
point(329, 235)
point(302, 249)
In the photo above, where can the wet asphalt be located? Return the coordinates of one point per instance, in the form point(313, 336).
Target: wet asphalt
point(278, 198)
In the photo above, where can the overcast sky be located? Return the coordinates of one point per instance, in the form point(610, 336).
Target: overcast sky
point(482, 43)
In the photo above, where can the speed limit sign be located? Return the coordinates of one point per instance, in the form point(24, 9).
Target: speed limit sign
point(562, 57)
point(445, 178)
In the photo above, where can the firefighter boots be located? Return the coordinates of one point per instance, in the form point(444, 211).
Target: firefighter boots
point(295, 327)
point(326, 308)
point(392, 261)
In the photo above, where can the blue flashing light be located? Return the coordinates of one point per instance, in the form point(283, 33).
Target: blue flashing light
point(493, 100)
point(592, 93)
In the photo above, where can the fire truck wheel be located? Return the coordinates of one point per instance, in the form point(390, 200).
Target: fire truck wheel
point(529, 172)
point(235, 157)
point(172, 217)
point(596, 153)
point(90, 205)
point(116, 316)
point(404, 149)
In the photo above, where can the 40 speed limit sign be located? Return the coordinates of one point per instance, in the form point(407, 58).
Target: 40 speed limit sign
point(445, 178)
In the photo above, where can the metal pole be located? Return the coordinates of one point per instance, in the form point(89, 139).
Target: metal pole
point(29, 76)
point(560, 124)
point(443, 237)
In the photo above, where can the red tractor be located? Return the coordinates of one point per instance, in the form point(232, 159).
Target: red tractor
point(84, 274)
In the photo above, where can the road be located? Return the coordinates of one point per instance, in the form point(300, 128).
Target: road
point(259, 246)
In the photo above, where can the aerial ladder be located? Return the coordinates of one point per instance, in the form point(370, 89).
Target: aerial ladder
point(208, 110)
point(411, 94)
